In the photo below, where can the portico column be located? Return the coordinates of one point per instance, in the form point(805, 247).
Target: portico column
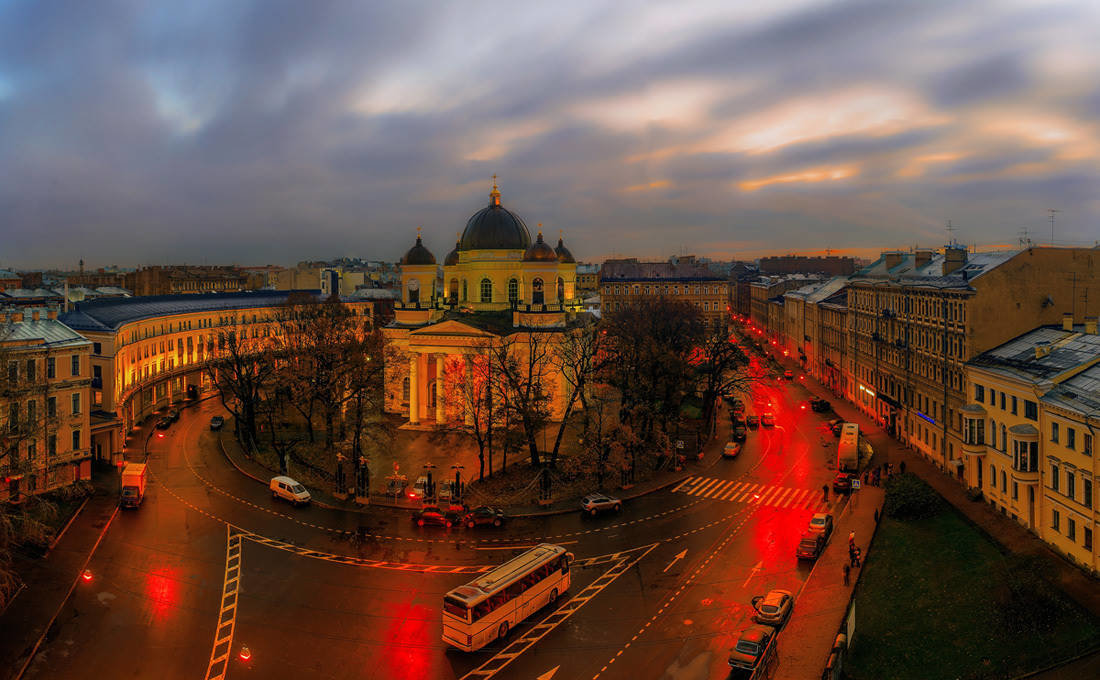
point(440, 362)
point(469, 386)
point(414, 389)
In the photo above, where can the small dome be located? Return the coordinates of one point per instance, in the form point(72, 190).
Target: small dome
point(495, 228)
point(452, 257)
point(540, 251)
point(418, 254)
point(563, 253)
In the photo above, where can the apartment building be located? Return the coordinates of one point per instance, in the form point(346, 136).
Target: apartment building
point(1029, 432)
point(177, 280)
point(628, 282)
point(149, 353)
point(44, 403)
point(767, 288)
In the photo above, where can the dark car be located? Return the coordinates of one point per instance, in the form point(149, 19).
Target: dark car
point(842, 483)
point(752, 647)
point(810, 545)
point(753, 421)
point(173, 414)
point(738, 420)
point(739, 434)
point(431, 514)
point(788, 375)
point(216, 423)
point(821, 405)
point(164, 423)
point(484, 515)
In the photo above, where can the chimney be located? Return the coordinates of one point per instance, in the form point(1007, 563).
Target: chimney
point(34, 315)
point(954, 257)
point(923, 257)
point(1090, 325)
point(893, 258)
point(1042, 349)
point(17, 317)
point(51, 313)
point(1067, 321)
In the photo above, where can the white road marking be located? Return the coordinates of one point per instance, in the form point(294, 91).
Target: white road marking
point(227, 612)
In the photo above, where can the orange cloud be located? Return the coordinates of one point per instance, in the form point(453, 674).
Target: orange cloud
point(659, 184)
point(814, 175)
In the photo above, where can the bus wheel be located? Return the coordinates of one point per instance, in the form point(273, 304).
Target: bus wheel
point(502, 632)
point(553, 597)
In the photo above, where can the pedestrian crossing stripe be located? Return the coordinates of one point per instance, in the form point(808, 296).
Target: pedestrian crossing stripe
point(749, 492)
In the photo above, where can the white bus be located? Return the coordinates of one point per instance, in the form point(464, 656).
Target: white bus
point(486, 609)
point(847, 452)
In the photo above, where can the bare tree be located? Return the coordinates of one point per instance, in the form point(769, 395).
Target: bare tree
point(243, 370)
point(719, 370)
point(579, 357)
point(525, 363)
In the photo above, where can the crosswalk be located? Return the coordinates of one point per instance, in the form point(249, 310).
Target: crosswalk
point(752, 492)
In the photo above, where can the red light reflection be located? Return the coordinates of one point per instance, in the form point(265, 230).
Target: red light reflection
point(162, 588)
point(409, 640)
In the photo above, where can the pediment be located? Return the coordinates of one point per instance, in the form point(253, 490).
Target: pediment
point(452, 328)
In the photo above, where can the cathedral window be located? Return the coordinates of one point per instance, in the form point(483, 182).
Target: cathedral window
point(513, 290)
point(486, 290)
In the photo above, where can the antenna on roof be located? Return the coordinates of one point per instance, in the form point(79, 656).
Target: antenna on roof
point(951, 234)
point(1025, 242)
point(1052, 211)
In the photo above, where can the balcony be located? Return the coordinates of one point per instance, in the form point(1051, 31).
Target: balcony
point(1025, 476)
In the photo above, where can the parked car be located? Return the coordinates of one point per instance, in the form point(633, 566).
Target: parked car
point(753, 647)
point(768, 419)
point(731, 450)
point(173, 414)
point(432, 514)
point(164, 423)
point(753, 421)
point(595, 503)
point(289, 490)
point(788, 375)
point(822, 523)
point(821, 405)
point(739, 434)
point(216, 423)
point(484, 515)
point(738, 420)
point(419, 490)
point(810, 545)
point(842, 483)
point(737, 405)
point(774, 608)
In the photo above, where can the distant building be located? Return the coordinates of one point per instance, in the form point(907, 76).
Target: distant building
point(628, 282)
point(831, 265)
point(768, 288)
point(9, 279)
point(588, 279)
point(44, 403)
point(1029, 433)
point(185, 279)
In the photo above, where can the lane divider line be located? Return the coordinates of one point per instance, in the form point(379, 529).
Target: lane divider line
point(227, 614)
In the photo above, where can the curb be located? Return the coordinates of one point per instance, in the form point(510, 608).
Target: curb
point(57, 538)
point(76, 579)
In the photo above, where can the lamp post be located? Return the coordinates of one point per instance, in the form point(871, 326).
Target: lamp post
point(339, 474)
point(457, 491)
point(429, 490)
point(362, 481)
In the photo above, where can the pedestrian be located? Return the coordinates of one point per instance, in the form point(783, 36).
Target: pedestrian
point(824, 493)
point(851, 540)
point(856, 556)
point(847, 571)
point(852, 556)
point(901, 467)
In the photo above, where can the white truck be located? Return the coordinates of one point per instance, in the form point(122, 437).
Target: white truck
point(847, 452)
point(133, 485)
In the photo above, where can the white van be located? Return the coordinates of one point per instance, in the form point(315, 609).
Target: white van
point(289, 490)
point(419, 490)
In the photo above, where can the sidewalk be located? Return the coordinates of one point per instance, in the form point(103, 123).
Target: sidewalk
point(820, 607)
point(50, 580)
point(1082, 588)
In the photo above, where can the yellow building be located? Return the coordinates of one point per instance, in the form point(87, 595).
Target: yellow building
point(44, 403)
point(628, 282)
point(1029, 434)
point(150, 353)
point(497, 285)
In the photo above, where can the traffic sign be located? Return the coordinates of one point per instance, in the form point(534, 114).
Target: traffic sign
point(855, 485)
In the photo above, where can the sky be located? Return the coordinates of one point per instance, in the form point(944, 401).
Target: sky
point(231, 131)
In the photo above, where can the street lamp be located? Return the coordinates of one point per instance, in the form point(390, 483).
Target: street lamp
point(429, 491)
point(340, 473)
point(457, 491)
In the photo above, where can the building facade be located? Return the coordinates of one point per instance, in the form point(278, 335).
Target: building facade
point(44, 403)
point(178, 280)
point(497, 288)
point(1029, 434)
point(628, 282)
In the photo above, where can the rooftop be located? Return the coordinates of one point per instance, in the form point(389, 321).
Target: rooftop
point(632, 270)
point(35, 333)
point(1068, 352)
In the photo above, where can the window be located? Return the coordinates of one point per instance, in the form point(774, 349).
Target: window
point(537, 294)
point(1054, 476)
point(1055, 520)
point(32, 411)
point(51, 407)
point(1015, 491)
point(1002, 401)
point(1054, 432)
point(1071, 438)
point(76, 440)
point(486, 290)
point(1086, 492)
point(31, 366)
point(464, 297)
point(1004, 482)
point(1071, 483)
point(1088, 538)
point(1031, 410)
point(513, 290)
point(51, 445)
point(51, 367)
point(979, 393)
point(561, 289)
point(32, 449)
point(74, 366)
point(1087, 449)
point(992, 397)
point(76, 403)
point(1071, 528)
point(1013, 405)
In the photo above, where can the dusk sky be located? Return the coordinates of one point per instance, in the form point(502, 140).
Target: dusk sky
point(270, 132)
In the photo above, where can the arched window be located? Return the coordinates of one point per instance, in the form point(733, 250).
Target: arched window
point(513, 290)
point(486, 290)
point(561, 289)
point(464, 296)
point(537, 297)
point(1004, 438)
point(453, 292)
point(414, 291)
point(993, 433)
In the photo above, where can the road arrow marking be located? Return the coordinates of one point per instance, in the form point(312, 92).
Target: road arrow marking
point(676, 559)
point(752, 573)
point(548, 674)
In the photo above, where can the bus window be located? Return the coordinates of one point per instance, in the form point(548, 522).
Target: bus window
point(456, 609)
point(516, 589)
point(482, 609)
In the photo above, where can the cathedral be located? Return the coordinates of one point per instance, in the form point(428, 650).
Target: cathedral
point(498, 285)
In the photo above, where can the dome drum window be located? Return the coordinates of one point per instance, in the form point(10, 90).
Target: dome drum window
point(537, 295)
point(486, 290)
point(513, 290)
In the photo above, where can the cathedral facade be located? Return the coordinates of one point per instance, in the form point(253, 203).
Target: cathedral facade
point(497, 287)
